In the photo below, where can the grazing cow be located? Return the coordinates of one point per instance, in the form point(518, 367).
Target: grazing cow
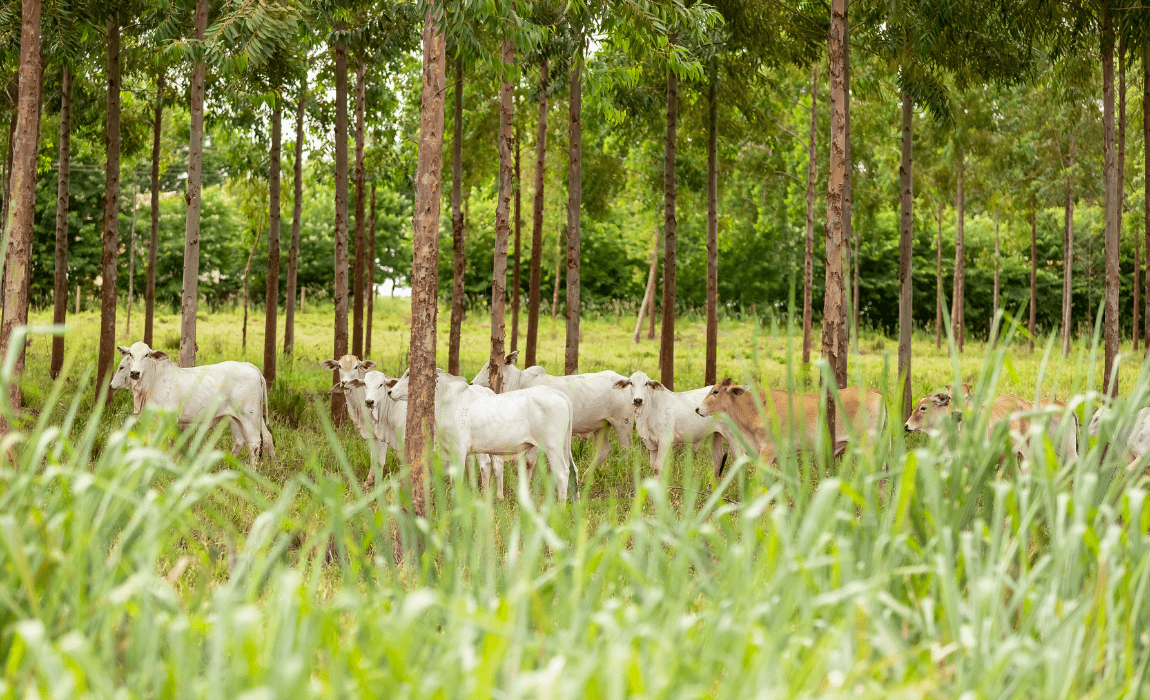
point(798, 415)
point(475, 420)
point(596, 405)
point(351, 367)
point(1014, 411)
point(664, 418)
point(1134, 437)
point(232, 390)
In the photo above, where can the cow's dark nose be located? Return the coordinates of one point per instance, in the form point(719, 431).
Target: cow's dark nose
point(134, 374)
point(638, 402)
point(369, 403)
point(907, 428)
point(698, 412)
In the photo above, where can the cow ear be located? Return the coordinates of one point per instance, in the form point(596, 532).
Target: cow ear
point(940, 399)
point(356, 383)
point(367, 365)
point(737, 390)
point(329, 364)
point(158, 355)
point(391, 382)
point(726, 382)
point(123, 350)
point(622, 383)
point(651, 384)
point(510, 359)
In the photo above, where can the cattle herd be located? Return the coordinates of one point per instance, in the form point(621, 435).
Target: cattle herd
point(540, 412)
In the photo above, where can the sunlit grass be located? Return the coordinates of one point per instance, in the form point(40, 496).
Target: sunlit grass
point(138, 558)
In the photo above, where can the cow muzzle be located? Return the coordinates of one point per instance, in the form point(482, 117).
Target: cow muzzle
point(134, 374)
point(370, 403)
point(907, 428)
point(638, 402)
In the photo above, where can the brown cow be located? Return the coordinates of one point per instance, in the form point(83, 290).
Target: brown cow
point(865, 412)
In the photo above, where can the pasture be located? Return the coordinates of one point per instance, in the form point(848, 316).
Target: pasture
point(169, 569)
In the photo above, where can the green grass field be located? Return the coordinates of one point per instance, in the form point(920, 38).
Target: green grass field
point(138, 561)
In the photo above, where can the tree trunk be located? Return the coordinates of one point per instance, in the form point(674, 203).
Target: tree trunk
point(60, 291)
point(458, 248)
point(515, 262)
point(648, 303)
point(712, 233)
point(247, 290)
point(338, 412)
point(190, 301)
point(1120, 164)
point(1110, 178)
point(108, 261)
point(272, 297)
point(1034, 275)
point(359, 260)
point(297, 210)
point(22, 191)
point(997, 271)
point(559, 258)
point(502, 223)
point(533, 290)
point(855, 290)
point(667, 340)
point(371, 253)
point(938, 286)
point(809, 250)
point(958, 299)
point(848, 204)
point(574, 214)
point(905, 250)
point(153, 245)
point(1146, 180)
point(837, 209)
point(1137, 330)
point(425, 261)
point(132, 256)
point(1068, 261)
point(652, 309)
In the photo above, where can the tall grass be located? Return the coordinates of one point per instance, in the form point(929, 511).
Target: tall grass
point(140, 561)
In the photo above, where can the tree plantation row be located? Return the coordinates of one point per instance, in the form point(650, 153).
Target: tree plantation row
point(654, 151)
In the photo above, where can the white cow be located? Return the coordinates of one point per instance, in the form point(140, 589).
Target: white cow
point(388, 418)
point(1133, 437)
point(596, 404)
point(351, 367)
point(475, 420)
point(665, 418)
point(232, 390)
point(122, 380)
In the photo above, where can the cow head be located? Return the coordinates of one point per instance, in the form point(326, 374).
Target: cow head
point(928, 412)
point(641, 388)
point(375, 387)
point(719, 399)
point(121, 380)
point(398, 390)
point(349, 367)
point(141, 360)
point(510, 373)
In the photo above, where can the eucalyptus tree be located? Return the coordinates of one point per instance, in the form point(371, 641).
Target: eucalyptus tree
point(297, 215)
point(16, 242)
point(419, 431)
point(458, 250)
point(838, 216)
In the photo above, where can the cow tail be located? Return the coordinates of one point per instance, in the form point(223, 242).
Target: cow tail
point(266, 445)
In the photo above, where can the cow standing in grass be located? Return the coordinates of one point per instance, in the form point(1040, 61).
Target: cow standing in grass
point(664, 418)
point(232, 390)
point(597, 406)
point(797, 415)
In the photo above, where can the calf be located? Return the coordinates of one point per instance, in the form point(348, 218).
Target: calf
point(797, 416)
point(388, 418)
point(664, 418)
point(232, 390)
point(1016, 412)
point(475, 420)
point(595, 404)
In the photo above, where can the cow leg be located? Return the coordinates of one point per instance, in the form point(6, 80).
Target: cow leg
point(603, 439)
point(497, 465)
point(718, 455)
point(559, 467)
point(659, 456)
point(238, 438)
point(530, 458)
point(484, 462)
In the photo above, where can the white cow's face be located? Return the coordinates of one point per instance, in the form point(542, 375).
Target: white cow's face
point(141, 359)
point(121, 380)
point(375, 387)
point(1096, 420)
point(484, 376)
point(641, 389)
point(349, 367)
point(398, 390)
